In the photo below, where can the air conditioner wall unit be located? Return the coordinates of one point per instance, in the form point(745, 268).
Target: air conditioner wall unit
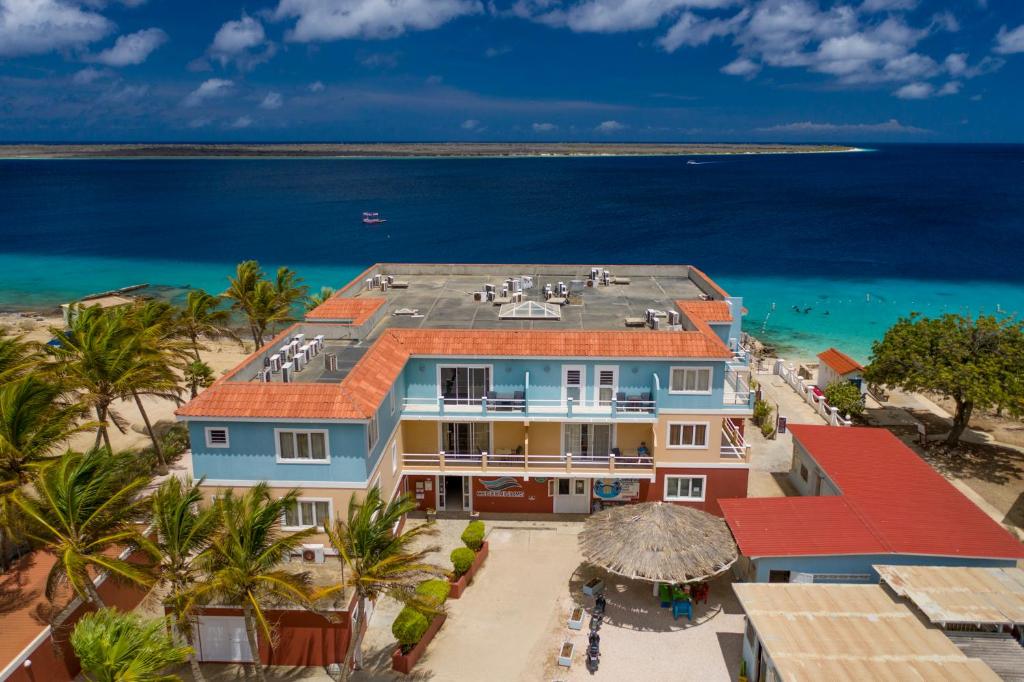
point(312, 554)
point(286, 372)
point(275, 362)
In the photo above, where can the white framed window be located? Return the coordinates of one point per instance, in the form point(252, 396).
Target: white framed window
point(217, 437)
point(606, 384)
point(464, 384)
point(308, 446)
point(394, 456)
point(588, 440)
point(685, 488)
point(579, 486)
point(683, 435)
point(372, 433)
point(307, 512)
point(690, 380)
point(391, 399)
point(574, 378)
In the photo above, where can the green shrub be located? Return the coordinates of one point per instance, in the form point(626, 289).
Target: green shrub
point(768, 428)
point(762, 411)
point(473, 536)
point(845, 397)
point(434, 592)
point(409, 627)
point(462, 559)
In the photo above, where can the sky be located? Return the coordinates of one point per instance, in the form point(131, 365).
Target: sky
point(927, 71)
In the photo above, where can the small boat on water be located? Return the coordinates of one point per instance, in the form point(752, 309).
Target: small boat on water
point(373, 218)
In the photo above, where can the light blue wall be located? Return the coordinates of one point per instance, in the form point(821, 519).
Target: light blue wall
point(635, 377)
point(252, 455)
point(861, 564)
point(386, 422)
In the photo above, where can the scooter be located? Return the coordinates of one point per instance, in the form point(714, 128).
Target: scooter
point(594, 652)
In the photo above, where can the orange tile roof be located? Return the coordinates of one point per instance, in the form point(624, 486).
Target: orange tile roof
point(353, 311)
point(712, 283)
point(359, 394)
point(839, 361)
point(709, 311)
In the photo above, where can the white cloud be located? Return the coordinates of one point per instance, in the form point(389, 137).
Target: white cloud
point(950, 88)
point(544, 127)
point(890, 126)
point(956, 63)
point(242, 41)
point(380, 60)
point(887, 5)
point(240, 122)
point(273, 100)
point(946, 21)
point(609, 16)
point(38, 26)
point(741, 67)
point(324, 20)
point(434, 79)
point(493, 52)
point(691, 30)
point(131, 49)
point(1009, 42)
point(609, 127)
point(471, 124)
point(209, 89)
point(316, 86)
point(915, 91)
point(89, 75)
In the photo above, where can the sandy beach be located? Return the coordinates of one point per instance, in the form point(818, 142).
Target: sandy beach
point(221, 356)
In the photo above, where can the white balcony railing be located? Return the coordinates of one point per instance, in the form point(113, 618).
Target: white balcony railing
point(733, 445)
point(533, 463)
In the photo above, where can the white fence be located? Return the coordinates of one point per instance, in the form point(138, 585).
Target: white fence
point(803, 388)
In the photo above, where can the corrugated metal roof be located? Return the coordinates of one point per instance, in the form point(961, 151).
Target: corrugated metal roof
point(850, 632)
point(905, 506)
point(960, 594)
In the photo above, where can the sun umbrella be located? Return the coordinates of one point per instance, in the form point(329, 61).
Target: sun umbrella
point(659, 542)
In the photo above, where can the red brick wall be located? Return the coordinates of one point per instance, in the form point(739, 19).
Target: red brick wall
point(534, 498)
point(429, 500)
point(720, 484)
point(303, 638)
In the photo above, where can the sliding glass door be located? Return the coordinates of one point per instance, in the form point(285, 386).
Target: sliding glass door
point(465, 438)
point(465, 385)
point(587, 440)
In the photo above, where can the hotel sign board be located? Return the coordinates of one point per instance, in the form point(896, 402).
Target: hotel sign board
point(616, 489)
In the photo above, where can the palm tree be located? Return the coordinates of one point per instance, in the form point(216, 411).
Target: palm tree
point(240, 291)
point(80, 507)
point(106, 356)
point(118, 647)
point(242, 561)
point(375, 560)
point(289, 287)
point(197, 375)
point(264, 303)
point(17, 357)
point(266, 309)
point(316, 299)
point(184, 530)
point(201, 318)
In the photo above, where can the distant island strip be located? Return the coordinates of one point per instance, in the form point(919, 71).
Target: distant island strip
point(399, 150)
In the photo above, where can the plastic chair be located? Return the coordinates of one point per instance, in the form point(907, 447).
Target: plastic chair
point(665, 595)
point(682, 607)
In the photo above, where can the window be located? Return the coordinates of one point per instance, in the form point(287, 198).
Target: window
point(217, 437)
point(465, 438)
point(607, 384)
point(308, 447)
point(803, 472)
point(394, 456)
point(307, 514)
point(579, 486)
point(690, 380)
point(563, 486)
point(464, 385)
point(683, 435)
point(587, 440)
point(372, 433)
point(689, 488)
point(573, 378)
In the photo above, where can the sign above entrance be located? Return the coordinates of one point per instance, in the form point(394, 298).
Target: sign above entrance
point(623, 489)
point(506, 486)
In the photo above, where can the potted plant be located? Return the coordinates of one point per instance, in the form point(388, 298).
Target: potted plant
point(565, 653)
point(431, 514)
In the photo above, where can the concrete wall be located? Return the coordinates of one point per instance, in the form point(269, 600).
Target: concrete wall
point(809, 486)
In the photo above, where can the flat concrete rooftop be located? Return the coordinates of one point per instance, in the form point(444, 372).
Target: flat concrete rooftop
point(441, 296)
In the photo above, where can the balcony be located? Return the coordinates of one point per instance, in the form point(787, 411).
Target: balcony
point(737, 391)
point(733, 447)
point(517, 405)
point(529, 465)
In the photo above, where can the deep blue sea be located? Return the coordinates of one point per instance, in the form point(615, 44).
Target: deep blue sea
point(857, 238)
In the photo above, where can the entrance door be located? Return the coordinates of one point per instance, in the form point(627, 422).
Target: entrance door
point(441, 493)
point(572, 495)
point(467, 494)
point(222, 639)
point(455, 488)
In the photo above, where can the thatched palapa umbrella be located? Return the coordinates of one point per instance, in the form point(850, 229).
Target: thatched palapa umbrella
point(658, 542)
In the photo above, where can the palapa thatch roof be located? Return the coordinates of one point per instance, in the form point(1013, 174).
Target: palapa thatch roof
point(658, 541)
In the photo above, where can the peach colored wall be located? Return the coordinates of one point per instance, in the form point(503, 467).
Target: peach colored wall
point(507, 436)
point(419, 437)
point(545, 438)
point(629, 436)
point(711, 453)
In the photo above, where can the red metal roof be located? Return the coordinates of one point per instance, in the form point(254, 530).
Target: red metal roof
point(839, 361)
point(359, 394)
point(896, 503)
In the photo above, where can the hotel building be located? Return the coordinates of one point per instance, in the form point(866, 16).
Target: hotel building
point(491, 388)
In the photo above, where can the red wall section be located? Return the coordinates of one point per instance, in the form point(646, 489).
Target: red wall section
point(429, 500)
point(720, 484)
point(533, 497)
point(303, 638)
